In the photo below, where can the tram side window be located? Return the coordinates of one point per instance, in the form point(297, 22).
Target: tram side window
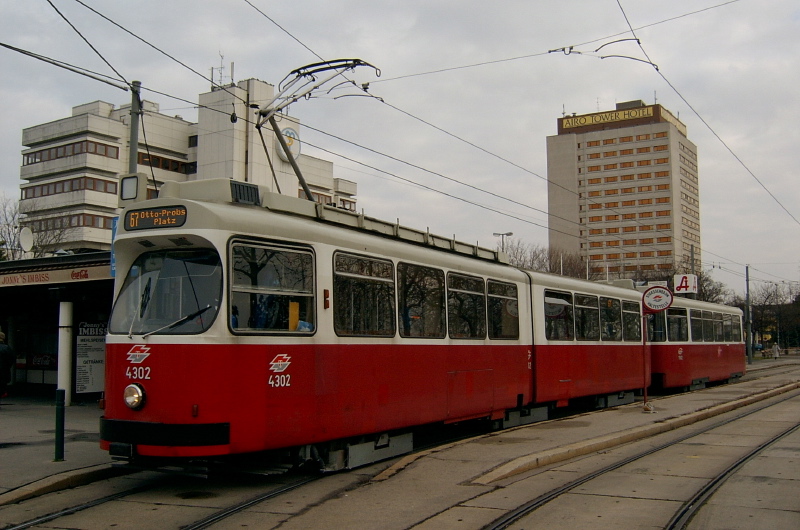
point(696, 321)
point(466, 307)
point(708, 327)
point(727, 325)
point(719, 336)
point(657, 327)
point(503, 310)
point(272, 289)
point(736, 331)
point(610, 319)
point(363, 296)
point(420, 299)
point(558, 316)
point(631, 321)
point(677, 325)
point(587, 317)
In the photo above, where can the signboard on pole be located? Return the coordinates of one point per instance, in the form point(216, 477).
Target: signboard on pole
point(656, 299)
point(91, 357)
point(685, 283)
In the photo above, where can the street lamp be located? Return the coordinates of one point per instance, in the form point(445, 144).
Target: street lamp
point(503, 239)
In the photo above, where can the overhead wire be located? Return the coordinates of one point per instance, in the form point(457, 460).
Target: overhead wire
point(392, 106)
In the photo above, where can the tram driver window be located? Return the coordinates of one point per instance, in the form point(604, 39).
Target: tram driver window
point(271, 289)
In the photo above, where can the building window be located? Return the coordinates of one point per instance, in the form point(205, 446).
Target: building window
point(663, 213)
point(662, 160)
point(629, 228)
point(612, 217)
point(610, 153)
point(625, 139)
point(592, 156)
point(611, 192)
point(660, 135)
point(662, 200)
point(645, 188)
point(595, 218)
point(645, 228)
point(646, 241)
point(648, 254)
point(624, 165)
point(665, 226)
point(664, 240)
point(626, 177)
point(607, 167)
point(641, 163)
point(661, 148)
point(640, 137)
point(64, 151)
point(612, 204)
point(643, 215)
point(592, 169)
point(612, 230)
point(626, 152)
point(193, 140)
point(593, 143)
point(640, 150)
point(609, 141)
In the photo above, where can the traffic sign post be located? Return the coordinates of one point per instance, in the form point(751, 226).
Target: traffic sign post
point(654, 300)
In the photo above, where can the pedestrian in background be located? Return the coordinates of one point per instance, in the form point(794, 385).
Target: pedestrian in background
point(776, 351)
point(7, 359)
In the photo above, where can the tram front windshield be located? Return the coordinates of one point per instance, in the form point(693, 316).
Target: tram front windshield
point(169, 292)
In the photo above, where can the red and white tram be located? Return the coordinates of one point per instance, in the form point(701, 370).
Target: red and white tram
point(695, 343)
point(246, 321)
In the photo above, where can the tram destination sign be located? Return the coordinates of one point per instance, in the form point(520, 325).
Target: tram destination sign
point(165, 217)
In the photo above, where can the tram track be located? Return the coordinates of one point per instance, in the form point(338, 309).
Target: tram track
point(157, 490)
point(690, 506)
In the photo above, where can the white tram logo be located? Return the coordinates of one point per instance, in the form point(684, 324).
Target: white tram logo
point(280, 363)
point(138, 353)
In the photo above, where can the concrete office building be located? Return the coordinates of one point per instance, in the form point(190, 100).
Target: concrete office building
point(71, 166)
point(623, 190)
point(69, 187)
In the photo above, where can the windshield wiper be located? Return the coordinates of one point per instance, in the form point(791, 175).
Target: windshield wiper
point(143, 302)
point(180, 321)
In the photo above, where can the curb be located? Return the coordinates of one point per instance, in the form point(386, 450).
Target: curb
point(67, 479)
point(551, 456)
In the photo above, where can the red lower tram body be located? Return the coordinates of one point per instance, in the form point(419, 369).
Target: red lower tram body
point(222, 400)
point(693, 365)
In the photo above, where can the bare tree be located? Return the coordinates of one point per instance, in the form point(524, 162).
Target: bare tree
point(543, 259)
point(56, 232)
point(9, 229)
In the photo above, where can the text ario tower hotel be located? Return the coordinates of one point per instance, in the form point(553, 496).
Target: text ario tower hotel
point(623, 190)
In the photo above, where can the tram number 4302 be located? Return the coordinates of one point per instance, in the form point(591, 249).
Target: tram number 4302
point(279, 381)
point(138, 372)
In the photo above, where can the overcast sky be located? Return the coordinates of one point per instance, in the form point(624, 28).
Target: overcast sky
point(469, 94)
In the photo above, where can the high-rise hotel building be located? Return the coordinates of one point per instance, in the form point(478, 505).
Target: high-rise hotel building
point(623, 190)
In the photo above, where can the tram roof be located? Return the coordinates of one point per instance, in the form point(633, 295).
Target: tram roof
point(225, 190)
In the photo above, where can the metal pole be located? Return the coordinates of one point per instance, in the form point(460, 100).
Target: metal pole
point(65, 316)
point(289, 155)
point(136, 110)
point(60, 399)
point(748, 315)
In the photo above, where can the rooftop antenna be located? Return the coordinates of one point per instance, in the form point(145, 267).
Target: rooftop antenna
point(563, 110)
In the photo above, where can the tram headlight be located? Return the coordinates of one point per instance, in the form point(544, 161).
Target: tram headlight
point(134, 396)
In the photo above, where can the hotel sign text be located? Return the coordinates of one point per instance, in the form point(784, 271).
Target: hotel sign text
point(607, 117)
